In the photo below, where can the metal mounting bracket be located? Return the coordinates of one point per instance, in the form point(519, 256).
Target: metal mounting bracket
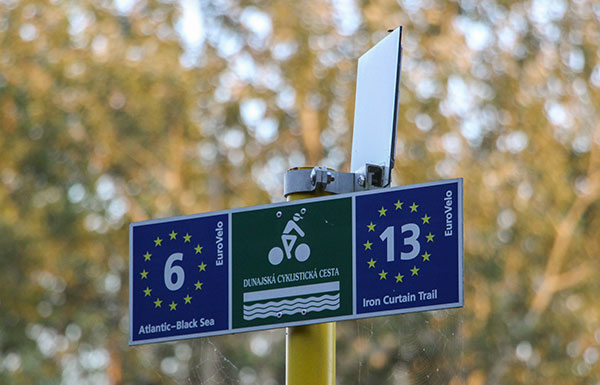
point(303, 180)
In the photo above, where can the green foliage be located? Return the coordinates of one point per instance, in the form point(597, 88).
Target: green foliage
point(109, 117)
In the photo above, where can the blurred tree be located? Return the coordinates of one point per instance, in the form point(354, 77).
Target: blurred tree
point(112, 112)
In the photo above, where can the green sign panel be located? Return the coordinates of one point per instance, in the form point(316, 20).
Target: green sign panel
point(291, 263)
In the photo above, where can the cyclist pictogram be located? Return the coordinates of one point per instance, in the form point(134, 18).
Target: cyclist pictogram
point(301, 252)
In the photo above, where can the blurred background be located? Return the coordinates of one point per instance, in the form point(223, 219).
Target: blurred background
point(126, 110)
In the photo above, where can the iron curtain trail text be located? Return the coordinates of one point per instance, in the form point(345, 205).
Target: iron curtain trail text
point(400, 298)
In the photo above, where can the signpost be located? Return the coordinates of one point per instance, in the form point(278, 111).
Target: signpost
point(366, 252)
point(342, 257)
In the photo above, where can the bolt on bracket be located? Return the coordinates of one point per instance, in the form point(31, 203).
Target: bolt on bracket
point(303, 180)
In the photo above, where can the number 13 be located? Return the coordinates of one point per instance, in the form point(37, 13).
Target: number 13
point(388, 235)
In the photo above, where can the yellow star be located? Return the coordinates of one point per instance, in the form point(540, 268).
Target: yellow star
point(382, 211)
point(157, 303)
point(429, 237)
point(173, 306)
point(413, 207)
point(147, 256)
point(202, 266)
point(173, 235)
point(415, 270)
point(157, 242)
point(187, 299)
point(426, 219)
point(198, 249)
point(399, 278)
point(147, 292)
point(383, 275)
point(186, 238)
point(398, 205)
point(144, 274)
point(371, 263)
point(198, 285)
point(426, 256)
point(367, 245)
point(371, 226)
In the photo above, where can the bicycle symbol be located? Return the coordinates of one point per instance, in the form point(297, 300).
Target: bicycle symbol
point(302, 251)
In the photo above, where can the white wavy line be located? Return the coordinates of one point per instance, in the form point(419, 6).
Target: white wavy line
point(292, 311)
point(291, 301)
point(287, 307)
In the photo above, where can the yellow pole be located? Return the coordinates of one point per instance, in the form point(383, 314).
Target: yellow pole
point(310, 349)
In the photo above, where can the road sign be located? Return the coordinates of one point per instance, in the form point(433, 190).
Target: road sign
point(178, 277)
point(292, 263)
point(334, 258)
point(409, 249)
point(376, 105)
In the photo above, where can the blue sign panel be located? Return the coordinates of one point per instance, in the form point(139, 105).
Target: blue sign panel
point(179, 278)
point(409, 249)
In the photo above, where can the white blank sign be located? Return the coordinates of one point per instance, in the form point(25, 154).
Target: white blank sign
point(376, 105)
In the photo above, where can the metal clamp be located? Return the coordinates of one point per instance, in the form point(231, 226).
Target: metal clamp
point(303, 180)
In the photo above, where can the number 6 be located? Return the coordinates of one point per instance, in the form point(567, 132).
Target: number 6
point(171, 270)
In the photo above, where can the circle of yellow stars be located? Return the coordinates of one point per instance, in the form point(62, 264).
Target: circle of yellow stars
point(430, 238)
point(158, 303)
